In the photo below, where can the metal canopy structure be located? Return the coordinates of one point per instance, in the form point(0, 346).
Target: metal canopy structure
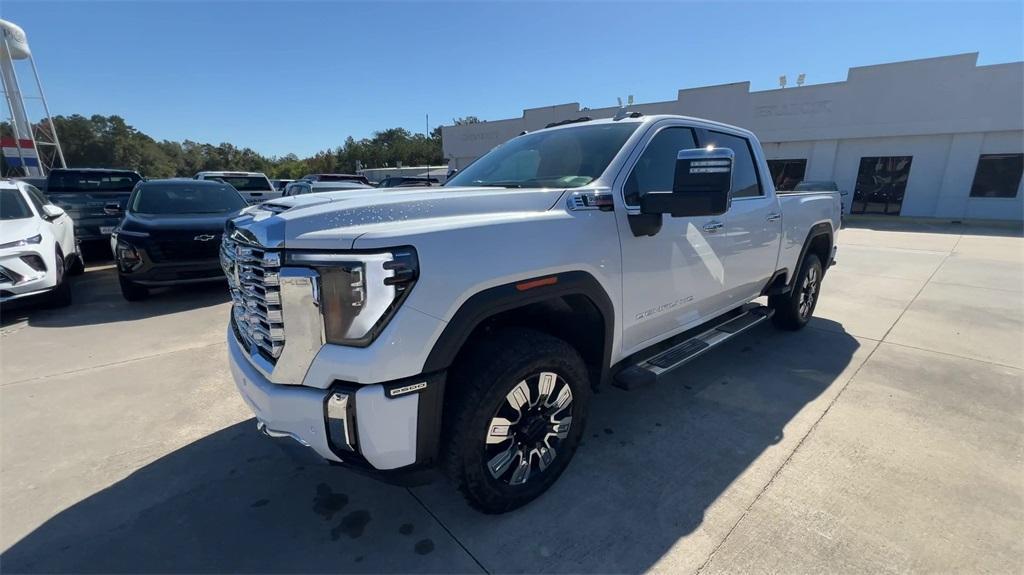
point(29, 149)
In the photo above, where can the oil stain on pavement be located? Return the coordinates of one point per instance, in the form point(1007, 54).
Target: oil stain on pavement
point(352, 525)
point(327, 503)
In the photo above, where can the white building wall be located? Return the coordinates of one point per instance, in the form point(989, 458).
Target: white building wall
point(942, 111)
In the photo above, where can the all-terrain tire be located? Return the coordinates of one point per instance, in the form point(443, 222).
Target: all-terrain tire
point(481, 384)
point(794, 309)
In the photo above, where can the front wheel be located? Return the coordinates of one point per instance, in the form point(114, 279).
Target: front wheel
point(60, 296)
point(794, 309)
point(132, 291)
point(519, 406)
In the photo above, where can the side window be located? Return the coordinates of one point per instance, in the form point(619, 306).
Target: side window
point(744, 176)
point(656, 168)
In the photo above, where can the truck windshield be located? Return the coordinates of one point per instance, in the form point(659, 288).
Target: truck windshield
point(562, 158)
point(91, 181)
point(246, 183)
point(186, 198)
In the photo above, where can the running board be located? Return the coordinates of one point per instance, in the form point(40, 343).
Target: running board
point(651, 369)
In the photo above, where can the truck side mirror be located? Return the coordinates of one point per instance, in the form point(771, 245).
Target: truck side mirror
point(701, 187)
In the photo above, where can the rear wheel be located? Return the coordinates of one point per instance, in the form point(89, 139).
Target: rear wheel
point(519, 405)
point(794, 309)
point(131, 290)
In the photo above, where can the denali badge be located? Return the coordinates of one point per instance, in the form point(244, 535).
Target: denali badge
point(407, 389)
point(204, 237)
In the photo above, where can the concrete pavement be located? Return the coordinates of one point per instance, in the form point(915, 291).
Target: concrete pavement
point(888, 436)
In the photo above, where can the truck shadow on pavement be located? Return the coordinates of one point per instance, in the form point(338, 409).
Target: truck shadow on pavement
point(671, 467)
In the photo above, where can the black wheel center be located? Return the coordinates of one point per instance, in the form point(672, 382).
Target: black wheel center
point(533, 429)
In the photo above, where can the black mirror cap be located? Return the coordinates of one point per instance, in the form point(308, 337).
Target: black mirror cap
point(703, 178)
point(704, 170)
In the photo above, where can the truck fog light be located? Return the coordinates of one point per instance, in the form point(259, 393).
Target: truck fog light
point(340, 421)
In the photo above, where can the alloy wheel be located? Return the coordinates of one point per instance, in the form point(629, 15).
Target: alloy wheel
point(809, 291)
point(527, 429)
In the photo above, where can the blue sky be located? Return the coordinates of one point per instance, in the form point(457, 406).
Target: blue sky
point(298, 77)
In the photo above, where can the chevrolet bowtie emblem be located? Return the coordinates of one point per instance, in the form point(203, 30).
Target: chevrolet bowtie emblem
point(204, 237)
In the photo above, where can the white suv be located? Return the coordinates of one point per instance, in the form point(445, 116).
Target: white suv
point(37, 245)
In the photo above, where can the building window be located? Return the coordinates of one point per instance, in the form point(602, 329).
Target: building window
point(881, 183)
point(997, 176)
point(787, 173)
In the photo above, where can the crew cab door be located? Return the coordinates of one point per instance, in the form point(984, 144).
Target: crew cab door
point(754, 225)
point(673, 278)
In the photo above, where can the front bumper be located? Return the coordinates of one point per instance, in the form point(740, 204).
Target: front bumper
point(388, 429)
point(174, 273)
point(19, 279)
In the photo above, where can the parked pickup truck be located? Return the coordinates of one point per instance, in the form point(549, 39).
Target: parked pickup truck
point(467, 325)
point(255, 187)
point(92, 197)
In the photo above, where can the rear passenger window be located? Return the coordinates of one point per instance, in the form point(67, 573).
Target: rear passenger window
point(745, 183)
point(656, 168)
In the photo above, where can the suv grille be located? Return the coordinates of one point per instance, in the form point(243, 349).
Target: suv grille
point(256, 297)
point(183, 249)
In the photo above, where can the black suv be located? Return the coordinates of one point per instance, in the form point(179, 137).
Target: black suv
point(87, 194)
point(171, 234)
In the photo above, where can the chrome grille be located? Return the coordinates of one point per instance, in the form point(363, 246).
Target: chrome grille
point(254, 280)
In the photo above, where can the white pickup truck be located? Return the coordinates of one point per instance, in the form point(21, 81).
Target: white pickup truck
point(467, 325)
point(255, 187)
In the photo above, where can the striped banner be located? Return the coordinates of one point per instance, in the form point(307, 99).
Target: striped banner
point(19, 153)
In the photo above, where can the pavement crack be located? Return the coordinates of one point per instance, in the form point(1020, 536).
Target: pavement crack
point(789, 457)
point(878, 344)
point(111, 364)
point(449, 532)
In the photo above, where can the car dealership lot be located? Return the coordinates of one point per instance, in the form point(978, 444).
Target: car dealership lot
point(889, 436)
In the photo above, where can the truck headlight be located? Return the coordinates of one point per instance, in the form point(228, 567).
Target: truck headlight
point(359, 293)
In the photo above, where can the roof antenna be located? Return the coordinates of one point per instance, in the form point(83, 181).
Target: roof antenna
point(623, 111)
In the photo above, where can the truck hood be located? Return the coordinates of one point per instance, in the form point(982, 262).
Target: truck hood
point(333, 220)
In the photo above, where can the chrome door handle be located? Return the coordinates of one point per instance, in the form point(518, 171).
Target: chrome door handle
point(774, 217)
point(712, 227)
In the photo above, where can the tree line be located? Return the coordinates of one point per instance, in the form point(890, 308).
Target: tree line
point(110, 142)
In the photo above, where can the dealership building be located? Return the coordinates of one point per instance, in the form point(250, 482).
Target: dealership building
point(940, 137)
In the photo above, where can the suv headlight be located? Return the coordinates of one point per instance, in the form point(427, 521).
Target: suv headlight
point(22, 243)
point(359, 292)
